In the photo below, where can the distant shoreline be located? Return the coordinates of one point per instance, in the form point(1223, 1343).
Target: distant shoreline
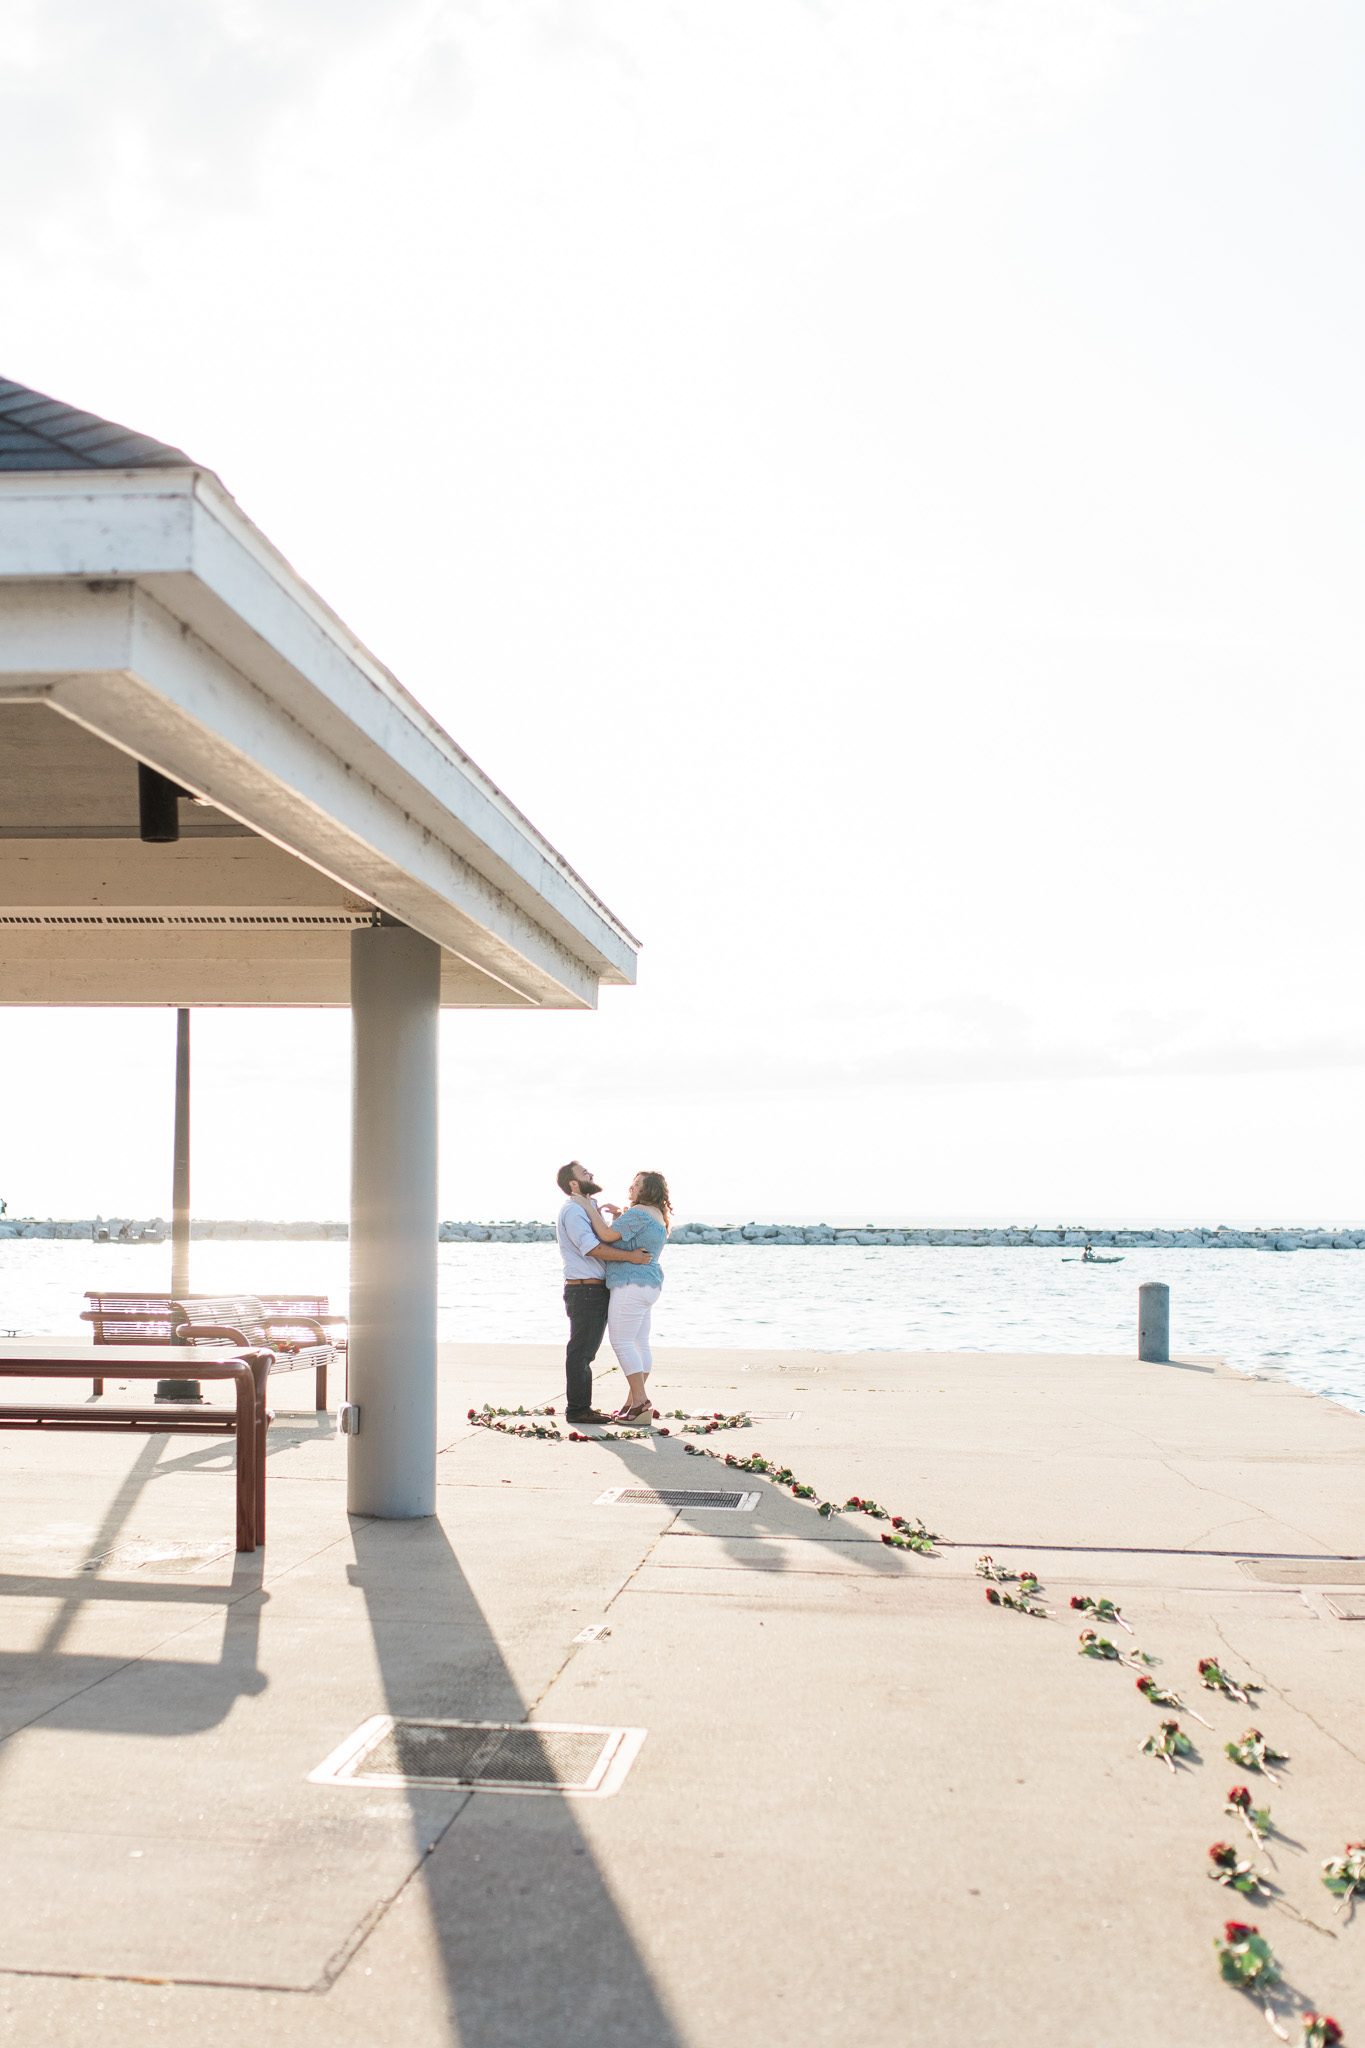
point(156, 1230)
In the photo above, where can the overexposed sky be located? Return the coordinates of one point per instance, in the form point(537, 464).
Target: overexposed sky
point(877, 481)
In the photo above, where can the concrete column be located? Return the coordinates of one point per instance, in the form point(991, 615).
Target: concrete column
point(391, 1379)
point(1154, 1322)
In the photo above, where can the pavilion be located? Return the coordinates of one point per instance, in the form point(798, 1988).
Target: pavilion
point(212, 794)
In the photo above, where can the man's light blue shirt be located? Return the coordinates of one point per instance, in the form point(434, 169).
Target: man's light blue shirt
point(576, 1240)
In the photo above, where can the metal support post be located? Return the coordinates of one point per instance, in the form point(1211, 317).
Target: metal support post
point(391, 1374)
point(181, 1390)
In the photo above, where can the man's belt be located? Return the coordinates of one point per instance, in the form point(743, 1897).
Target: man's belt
point(587, 1283)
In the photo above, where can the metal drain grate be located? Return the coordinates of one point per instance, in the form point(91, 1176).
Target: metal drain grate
point(507, 1756)
point(675, 1497)
point(1305, 1571)
point(484, 1756)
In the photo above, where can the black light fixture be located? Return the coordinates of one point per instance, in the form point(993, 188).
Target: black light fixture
point(158, 806)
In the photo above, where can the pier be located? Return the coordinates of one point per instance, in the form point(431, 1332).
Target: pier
point(869, 1805)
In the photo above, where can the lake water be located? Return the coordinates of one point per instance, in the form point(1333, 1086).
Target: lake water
point(1297, 1315)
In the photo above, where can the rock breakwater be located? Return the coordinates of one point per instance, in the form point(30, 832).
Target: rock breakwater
point(156, 1230)
point(1219, 1238)
point(1277, 1238)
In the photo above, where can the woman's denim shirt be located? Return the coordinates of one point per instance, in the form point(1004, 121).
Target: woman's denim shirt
point(640, 1232)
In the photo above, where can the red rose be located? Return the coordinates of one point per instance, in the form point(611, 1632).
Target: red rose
point(662, 1432)
point(1237, 1930)
point(992, 1596)
point(1239, 1796)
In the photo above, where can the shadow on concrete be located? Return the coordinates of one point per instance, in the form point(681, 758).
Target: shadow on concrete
point(52, 1684)
point(779, 1516)
point(286, 1433)
point(534, 1949)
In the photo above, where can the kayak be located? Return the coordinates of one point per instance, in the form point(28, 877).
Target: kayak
point(1096, 1259)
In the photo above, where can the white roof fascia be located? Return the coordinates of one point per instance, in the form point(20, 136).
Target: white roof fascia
point(109, 657)
point(365, 784)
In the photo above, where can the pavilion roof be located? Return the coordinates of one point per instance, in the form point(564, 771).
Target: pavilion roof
point(145, 620)
point(38, 432)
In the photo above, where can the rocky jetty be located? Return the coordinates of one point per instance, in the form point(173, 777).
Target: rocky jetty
point(1223, 1237)
point(155, 1230)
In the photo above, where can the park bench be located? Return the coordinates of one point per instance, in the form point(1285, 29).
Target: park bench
point(295, 1327)
point(45, 1358)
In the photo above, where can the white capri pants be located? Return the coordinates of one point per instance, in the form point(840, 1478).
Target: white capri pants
point(628, 1310)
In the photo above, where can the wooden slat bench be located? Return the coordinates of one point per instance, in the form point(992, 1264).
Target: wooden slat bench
point(47, 1359)
point(297, 1328)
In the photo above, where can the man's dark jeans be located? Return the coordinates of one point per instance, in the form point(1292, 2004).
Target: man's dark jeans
point(587, 1311)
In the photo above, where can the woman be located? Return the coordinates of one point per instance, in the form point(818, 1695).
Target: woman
point(633, 1290)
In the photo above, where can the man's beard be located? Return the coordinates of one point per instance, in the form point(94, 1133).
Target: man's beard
point(589, 1187)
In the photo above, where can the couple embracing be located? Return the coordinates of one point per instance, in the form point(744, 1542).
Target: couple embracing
point(612, 1279)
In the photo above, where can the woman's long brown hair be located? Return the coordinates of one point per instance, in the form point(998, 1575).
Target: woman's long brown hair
point(654, 1195)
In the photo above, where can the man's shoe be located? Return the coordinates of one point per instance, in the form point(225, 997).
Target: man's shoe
point(585, 1415)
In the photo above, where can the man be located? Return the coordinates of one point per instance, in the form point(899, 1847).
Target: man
point(585, 1285)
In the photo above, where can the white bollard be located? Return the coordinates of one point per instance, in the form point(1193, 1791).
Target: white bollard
point(391, 1375)
point(1154, 1322)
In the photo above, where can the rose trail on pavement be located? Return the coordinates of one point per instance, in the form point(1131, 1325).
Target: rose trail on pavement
point(870, 1804)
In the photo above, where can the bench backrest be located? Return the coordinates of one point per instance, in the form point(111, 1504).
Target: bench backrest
point(243, 1312)
point(146, 1318)
point(129, 1318)
point(295, 1304)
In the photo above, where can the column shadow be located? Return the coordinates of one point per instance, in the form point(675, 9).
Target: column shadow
point(778, 1515)
point(534, 1948)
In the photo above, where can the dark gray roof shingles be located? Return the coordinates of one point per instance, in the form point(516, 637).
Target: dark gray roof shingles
point(37, 432)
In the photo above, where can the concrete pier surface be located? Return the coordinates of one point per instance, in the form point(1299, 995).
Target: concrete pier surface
point(869, 1806)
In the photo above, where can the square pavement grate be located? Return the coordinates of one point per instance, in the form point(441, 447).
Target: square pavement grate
point(1305, 1571)
point(676, 1497)
point(484, 1756)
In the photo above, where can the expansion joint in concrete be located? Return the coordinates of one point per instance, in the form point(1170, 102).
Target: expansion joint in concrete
point(1265, 1684)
